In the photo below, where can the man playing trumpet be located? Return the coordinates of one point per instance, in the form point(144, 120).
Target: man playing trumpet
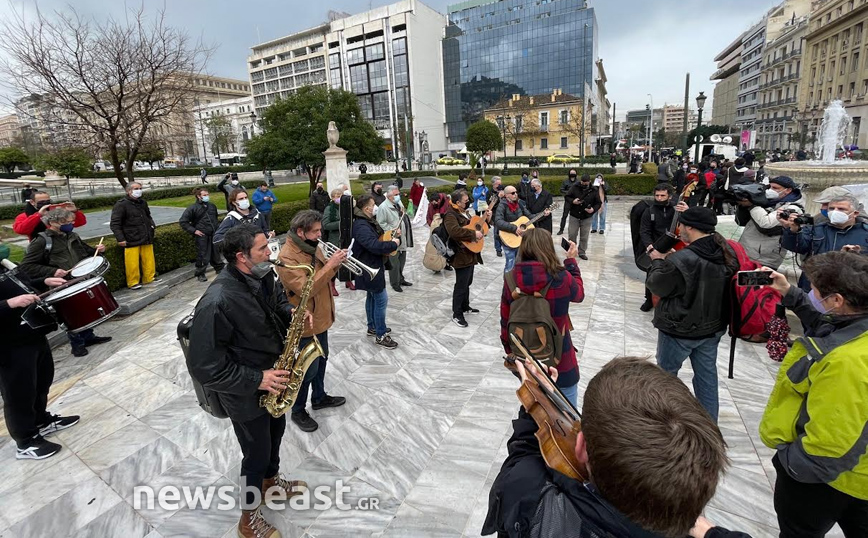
point(301, 248)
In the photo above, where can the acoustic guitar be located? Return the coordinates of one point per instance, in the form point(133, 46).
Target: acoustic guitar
point(389, 235)
point(671, 240)
point(514, 240)
point(477, 224)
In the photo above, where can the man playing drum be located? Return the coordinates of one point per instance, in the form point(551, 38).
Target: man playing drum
point(53, 253)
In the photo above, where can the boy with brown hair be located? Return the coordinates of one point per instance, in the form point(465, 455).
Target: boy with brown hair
point(653, 455)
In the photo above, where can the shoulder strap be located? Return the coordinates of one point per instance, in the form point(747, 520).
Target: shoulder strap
point(545, 290)
point(513, 286)
point(46, 254)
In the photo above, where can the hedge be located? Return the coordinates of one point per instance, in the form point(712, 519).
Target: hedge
point(16, 175)
point(589, 159)
point(166, 172)
point(489, 171)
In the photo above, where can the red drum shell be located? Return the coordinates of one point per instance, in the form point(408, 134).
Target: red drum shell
point(84, 305)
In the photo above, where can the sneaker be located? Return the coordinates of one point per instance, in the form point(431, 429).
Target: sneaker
point(500, 254)
point(56, 423)
point(602, 232)
point(329, 401)
point(253, 525)
point(202, 278)
point(646, 306)
point(304, 422)
point(96, 340)
point(387, 342)
point(373, 332)
point(459, 320)
point(583, 256)
point(471, 310)
point(155, 281)
point(37, 449)
point(80, 351)
point(448, 267)
point(405, 283)
point(136, 287)
point(593, 231)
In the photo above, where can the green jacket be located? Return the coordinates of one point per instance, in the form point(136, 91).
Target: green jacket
point(66, 251)
point(817, 414)
point(331, 224)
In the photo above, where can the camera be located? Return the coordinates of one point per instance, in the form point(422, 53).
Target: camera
point(753, 192)
point(801, 219)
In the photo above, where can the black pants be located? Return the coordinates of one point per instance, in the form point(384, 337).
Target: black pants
point(461, 291)
point(26, 374)
point(810, 510)
point(260, 443)
point(396, 273)
point(315, 374)
point(206, 252)
point(564, 218)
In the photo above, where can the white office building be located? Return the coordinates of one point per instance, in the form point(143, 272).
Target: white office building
point(224, 139)
point(389, 57)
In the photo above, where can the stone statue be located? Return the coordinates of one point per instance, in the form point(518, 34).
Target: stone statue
point(333, 135)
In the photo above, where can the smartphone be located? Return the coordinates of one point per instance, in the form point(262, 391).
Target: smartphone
point(754, 278)
point(565, 244)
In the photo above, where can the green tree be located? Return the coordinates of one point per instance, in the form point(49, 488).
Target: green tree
point(219, 133)
point(482, 137)
point(294, 131)
point(68, 162)
point(12, 157)
point(151, 153)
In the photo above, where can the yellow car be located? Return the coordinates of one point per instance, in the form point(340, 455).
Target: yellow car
point(561, 158)
point(449, 161)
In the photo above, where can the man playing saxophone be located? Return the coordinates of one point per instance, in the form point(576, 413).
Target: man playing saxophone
point(235, 339)
point(301, 248)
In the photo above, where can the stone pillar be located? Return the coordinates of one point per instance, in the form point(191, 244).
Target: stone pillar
point(336, 161)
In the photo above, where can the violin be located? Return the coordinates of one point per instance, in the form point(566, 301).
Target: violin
point(559, 423)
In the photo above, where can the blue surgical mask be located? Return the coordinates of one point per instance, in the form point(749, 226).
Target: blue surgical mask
point(206, 199)
point(824, 212)
point(66, 228)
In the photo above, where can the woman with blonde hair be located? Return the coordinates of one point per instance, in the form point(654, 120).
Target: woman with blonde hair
point(538, 268)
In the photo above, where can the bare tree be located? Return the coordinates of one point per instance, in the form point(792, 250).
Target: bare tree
point(103, 84)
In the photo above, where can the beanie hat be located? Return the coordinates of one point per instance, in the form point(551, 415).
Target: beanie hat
point(784, 182)
point(701, 218)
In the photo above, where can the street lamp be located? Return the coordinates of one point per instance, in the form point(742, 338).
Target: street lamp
point(700, 102)
point(650, 126)
point(253, 124)
point(503, 122)
point(202, 130)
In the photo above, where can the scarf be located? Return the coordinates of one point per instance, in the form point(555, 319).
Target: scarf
point(512, 206)
point(359, 214)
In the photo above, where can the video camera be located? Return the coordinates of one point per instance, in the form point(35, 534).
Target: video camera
point(801, 219)
point(754, 192)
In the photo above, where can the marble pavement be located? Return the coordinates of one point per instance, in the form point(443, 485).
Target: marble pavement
point(424, 429)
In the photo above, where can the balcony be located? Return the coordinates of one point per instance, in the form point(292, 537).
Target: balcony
point(786, 56)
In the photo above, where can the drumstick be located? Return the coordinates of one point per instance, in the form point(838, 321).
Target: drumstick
point(97, 247)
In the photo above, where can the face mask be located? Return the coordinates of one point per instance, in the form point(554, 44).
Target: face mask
point(347, 193)
point(243, 204)
point(206, 199)
point(261, 270)
point(137, 193)
point(66, 228)
point(319, 189)
point(663, 203)
point(572, 177)
point(772, 194)
point(4, 252)
point(818, 302)
point(824, 212)
point(235, 182)
point(693, 171)
point(837, 216)
point(336, 199)
point(40, 205)
point(479, 183)
point(684, 167)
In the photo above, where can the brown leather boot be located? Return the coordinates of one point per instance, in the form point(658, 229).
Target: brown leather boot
point(253, 525)
point(290, 487)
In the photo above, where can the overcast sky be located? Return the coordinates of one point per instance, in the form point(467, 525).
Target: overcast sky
point(647, 45)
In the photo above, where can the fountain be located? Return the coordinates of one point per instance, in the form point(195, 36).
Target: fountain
point(827, 171)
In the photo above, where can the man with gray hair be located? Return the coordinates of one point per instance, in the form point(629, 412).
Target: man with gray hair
point(538, 201)
point(846, 230)
point(392, 216)
point(133, 227)
point(496, 188)
point(53, 253)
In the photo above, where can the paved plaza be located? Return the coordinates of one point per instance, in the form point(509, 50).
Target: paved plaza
point(424, 429)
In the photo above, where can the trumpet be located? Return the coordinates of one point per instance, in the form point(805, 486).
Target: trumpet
point(350, 264)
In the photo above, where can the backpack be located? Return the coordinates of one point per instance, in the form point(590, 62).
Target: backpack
point(530, 319)
point(433, 260)
point(448, 245)
point(208, 399)
point(751, 307)
point(636, 213)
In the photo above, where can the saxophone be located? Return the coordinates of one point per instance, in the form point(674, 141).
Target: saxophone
point(294, 360)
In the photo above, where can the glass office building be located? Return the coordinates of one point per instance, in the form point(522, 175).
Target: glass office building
point(497, 48)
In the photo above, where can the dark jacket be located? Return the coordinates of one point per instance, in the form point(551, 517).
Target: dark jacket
point(539, 204)
point(201, 216)
point(655, 223)
point(504, 216)
point(692, 284)
point(131, 222)
point(66, 251)
point(664, 173)
point(821, 238)
point(566, 184)
point(238, 329)
point(234, 218)
point(454, 221)
point(331, 224)
point(12, 284)
point(319, 200)
point(679, 180)
point(699, 192)
point(525, 191)
point(589, 197)
point(369, 250)
point(379, 197)
point(529, 500)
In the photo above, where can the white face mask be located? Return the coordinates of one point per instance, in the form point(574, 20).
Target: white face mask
point(243, 204)
point(836, 216)
point(136, 193)
point(479, 183)
point(235, 182)
point(772, 194)
point(347, 193)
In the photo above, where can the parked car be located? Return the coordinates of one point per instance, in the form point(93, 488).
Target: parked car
point(561, 158)
point(449, 161)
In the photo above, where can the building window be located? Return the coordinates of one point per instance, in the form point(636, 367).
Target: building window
point(317, 62)
point(377, 76)
point(544, 120)
point(334, 61)
point(336, 78)
point(402, 77)
point(519, 123)
point(543, 143)
point(355, 56)
point(518, 145)
point(365, 104)
point(381, 106)
point(563, 142)
point(359, 79)
point(564, 116)
point(271, 72)
point(374, 52)
point(399, 46)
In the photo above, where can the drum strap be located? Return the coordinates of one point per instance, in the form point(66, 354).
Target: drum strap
point(46, 255)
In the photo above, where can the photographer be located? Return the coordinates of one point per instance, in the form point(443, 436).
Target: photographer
point(761, 238)
point(816, 415)
point(845, 230)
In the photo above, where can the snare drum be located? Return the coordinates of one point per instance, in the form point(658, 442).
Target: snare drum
point(83, 305)
point(95, 266)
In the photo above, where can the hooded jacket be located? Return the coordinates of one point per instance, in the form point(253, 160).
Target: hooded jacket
point(692, 285)
point(234, 218)
point(761, 238)
point(67, 249)
point(567, 287)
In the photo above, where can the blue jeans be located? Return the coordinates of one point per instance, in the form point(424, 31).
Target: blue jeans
point(498, 244)
point(572, 394)
point(600, 218)
point(375, 309)
point(315, 374)
point(80, 339)
point(509, 254)
point(671, 353)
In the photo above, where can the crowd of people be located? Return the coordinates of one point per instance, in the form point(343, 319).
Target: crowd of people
point(640, 426)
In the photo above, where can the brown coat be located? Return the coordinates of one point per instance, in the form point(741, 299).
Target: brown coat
point(321, 304)
point(453, 220)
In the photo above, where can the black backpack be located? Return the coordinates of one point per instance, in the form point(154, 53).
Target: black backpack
point(208, 399)
point(530, 319)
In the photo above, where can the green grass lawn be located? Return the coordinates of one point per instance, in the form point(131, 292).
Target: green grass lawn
point(16, 253)
point(284, 193)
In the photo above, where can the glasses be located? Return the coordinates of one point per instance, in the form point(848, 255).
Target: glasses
point(511, 193)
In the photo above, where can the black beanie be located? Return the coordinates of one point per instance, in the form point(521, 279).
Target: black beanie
point(701, 218)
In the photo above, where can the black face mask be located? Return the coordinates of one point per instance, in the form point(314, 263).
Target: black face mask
point(319, 189)
point(586, 183)
point(43, 203)
point(572, 177)
point(658, 202)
